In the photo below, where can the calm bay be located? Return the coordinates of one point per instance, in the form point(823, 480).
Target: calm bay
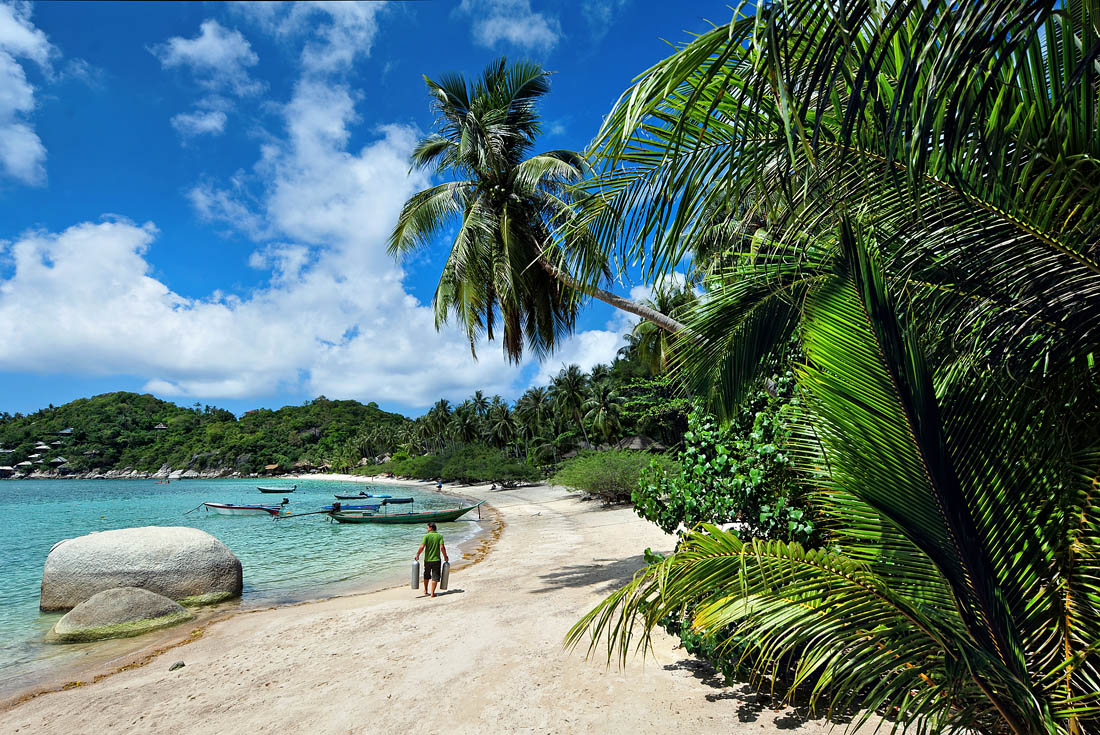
point(284, 561)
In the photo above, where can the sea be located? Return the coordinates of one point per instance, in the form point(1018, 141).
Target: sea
point(284, 561)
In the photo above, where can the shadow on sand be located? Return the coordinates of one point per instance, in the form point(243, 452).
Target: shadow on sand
point(609, 574)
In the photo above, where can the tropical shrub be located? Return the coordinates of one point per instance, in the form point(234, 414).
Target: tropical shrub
point(480, 463)
point(739, 473)
point(611, 475)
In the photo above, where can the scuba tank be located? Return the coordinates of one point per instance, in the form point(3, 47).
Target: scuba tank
point(416, 575)
point(444, 575)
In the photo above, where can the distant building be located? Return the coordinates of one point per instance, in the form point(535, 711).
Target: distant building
point(56, 444)
point(5, 470)
point(58, 460)
point(25, 463)
point(160, 427)
point(6, 451)
point(34, 456)
point(66, 432)
point(91, 453)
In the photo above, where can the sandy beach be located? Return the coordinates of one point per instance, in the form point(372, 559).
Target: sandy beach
point(486, 656)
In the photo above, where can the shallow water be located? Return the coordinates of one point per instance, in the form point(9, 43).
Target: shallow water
point(287, 560)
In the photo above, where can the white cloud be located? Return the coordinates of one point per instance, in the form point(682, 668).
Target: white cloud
point(336, 33)
point(600, 14)
point(585, 349)
point(511, 21)
point(219, 58)
point(200, 122)
point(22, 154)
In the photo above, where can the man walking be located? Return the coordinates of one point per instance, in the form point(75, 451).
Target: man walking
point(432, 546)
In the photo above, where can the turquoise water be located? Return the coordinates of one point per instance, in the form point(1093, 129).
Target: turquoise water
point(287, 560)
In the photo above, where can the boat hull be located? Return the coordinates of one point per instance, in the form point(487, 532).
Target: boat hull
point(439, 516)
point(276, 489)
point(359, 497)
point(228, 509)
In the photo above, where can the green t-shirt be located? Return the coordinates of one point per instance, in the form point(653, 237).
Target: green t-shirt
point(432, 542)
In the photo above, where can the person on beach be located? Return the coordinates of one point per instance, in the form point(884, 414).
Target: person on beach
point(432, 547)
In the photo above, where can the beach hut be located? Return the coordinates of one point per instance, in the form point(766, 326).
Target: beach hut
point(56, 444)
point(641, 443)
point(270, 468)
point(34, 456)
point(159, 427)
point(25, 463)
point(6, 471)
point(58, 460)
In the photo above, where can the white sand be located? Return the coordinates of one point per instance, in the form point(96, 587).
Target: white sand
point(486, 657)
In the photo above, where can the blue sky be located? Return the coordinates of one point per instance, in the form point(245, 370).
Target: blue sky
point(196, 196)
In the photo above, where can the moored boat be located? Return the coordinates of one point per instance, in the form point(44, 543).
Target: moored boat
point(360, 495)
point(398, 501)
point(263, 489)
point(232, 509)
point(372, 506)
point(440, 516)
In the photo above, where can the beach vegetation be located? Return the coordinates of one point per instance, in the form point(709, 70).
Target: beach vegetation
point(611, 475)
point(907, 194)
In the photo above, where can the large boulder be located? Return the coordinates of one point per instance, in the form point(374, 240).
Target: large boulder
point(117, 613)
point(183, 564)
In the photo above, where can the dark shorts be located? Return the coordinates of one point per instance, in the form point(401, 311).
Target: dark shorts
point(433, 570)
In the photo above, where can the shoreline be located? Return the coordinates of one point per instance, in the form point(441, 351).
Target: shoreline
point(110, 657)
point(487, 655)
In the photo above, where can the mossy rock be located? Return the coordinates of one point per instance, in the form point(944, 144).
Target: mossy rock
point(121, 612)
point(211, 599)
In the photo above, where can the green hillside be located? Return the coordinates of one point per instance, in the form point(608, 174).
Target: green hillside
point(118, 430)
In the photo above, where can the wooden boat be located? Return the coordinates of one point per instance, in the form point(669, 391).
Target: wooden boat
point(372, 506)
point(440, 516)
point(263, 489)
point(398, 501)
point(360, 495)
point(230, 509)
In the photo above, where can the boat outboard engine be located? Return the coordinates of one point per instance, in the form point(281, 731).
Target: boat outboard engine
point(285, 501)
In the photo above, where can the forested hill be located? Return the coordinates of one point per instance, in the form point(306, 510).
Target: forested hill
point(130, 430)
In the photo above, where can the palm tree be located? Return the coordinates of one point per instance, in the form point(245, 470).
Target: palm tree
point(501, 425)
point(599, 373)
point(908, 191)
point(464, 425)
point(480, 403)
point(654, 345)
point(532, 413)
point(510, 205)
point(604, 409)
point(569, 390)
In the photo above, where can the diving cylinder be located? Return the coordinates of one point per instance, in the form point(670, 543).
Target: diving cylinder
point(444, 575)
point(416, 575)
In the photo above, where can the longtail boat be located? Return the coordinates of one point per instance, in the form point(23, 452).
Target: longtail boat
point(229, 509)
point(441, 516)
point(398, 501)
point(360, 495)
point(372, 506)
point(263, 489)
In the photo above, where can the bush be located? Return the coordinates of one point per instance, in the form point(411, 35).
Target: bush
point(611, 475)
point(427, 467)
point(480, 463)
point(739, 473)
